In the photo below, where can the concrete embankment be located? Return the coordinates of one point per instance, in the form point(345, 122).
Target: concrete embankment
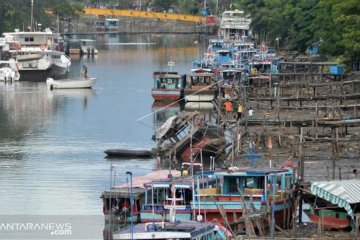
point(87, 24)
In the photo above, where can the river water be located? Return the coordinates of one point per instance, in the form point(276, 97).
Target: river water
point(52, 142)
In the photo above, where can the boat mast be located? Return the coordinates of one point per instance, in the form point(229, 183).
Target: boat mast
point(32, 16)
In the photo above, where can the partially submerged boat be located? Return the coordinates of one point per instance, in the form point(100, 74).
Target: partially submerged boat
point(70, 83)
point(187, 133)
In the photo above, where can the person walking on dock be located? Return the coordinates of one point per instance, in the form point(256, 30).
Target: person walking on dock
point(267, 117)
point(250, 113)
point(239, 111)
point(228, 108)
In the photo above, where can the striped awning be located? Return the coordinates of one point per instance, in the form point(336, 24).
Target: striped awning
point(341, 193)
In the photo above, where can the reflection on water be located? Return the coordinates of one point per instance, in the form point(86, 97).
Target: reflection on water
point(163, 110)
point(52, 142)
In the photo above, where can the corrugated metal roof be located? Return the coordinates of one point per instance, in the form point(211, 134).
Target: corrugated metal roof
point(341, 193)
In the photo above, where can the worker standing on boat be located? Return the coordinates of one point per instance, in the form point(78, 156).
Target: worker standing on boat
point(228, 108)
point(85, 71)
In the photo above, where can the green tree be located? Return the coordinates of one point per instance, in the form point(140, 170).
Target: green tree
point(163, 4)
point(186, 6)
point(347, 14)
point(67, 8)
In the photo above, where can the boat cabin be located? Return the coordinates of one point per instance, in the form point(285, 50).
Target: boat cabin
point(116, 202)
point(119, 200)
point(215, 45)
point(236, 186)
point(223, 56)
point(184, 230)
point(230, 76)
point(112, 24)
point(199, 87)
point(168, 86)
point(34, 41)
point(235, 25)
point(100, 26)
point(168, 80)
point(159, 197)
point(196, 80)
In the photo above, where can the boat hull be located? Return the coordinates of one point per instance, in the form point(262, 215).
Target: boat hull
point(57, 70)
point(167, 95)
point(330, 222)
point(54, 72)
point(195, 95)
point(161, 215)
point(70, 84)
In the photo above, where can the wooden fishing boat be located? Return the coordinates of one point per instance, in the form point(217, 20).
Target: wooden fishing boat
point(167, 194)
point(128, 153)
point(119, 196)
point(168, 86)
point(157, 202)
point(199, 87)
point(186, 230)
point(329, 218)
point(70, 83)
point(230, 82)
point(256, 186)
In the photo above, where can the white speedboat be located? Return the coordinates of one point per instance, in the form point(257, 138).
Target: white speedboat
point(81, 46)
point(70, 83)
point(8, 71)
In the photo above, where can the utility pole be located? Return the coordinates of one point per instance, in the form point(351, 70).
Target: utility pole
point(131, 207)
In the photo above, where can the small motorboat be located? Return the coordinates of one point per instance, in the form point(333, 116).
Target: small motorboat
point(70, 83)
point(128, 153)
point(9, 71)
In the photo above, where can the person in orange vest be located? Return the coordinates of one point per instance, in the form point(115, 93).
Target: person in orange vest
point(228, 108)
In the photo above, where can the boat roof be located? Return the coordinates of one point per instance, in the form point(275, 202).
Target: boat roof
point(235, 171)
point(177, 230)
point(82, 40)
point(199, 70)
point(231, 70)
point(139, 181)
point(339, 192)
point(87, 40)
point(49, 32)
point(207, 74)
point(123, 192)
point(179, 182)
point(8, 61)
point(167, 74)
